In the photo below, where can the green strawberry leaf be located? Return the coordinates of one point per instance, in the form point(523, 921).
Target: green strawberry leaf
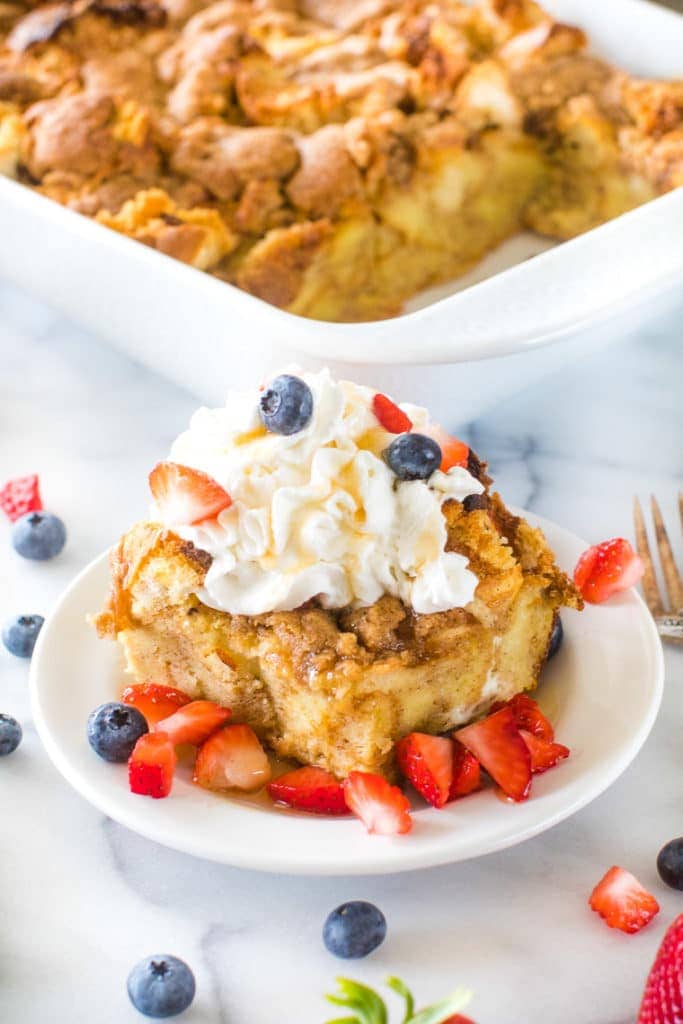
point(403, 990)
point(439, 1012)
point(366, 1004)
point(343, 1020)
point(369, 1008)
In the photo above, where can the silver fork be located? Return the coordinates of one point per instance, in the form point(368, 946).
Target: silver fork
point(669, 619)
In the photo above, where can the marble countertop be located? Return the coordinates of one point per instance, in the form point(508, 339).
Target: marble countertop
point(82, 899)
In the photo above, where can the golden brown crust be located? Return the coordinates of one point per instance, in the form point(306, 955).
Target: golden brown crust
point(275, 268)
point(327, 177)
point(417, 133)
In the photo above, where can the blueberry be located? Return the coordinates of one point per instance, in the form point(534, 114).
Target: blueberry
point(10, 735)
point(670, 863)
point(413, 456)
point(19, 636)
point(556, 637)
point(114, 729)
point(286, 406)
point(39, 536)
point(354, 929)
point(161, 986)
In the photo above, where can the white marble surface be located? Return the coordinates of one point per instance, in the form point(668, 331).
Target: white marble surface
point(81, 899)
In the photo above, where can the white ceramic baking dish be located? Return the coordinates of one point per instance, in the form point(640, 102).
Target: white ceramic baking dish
point(457, 349)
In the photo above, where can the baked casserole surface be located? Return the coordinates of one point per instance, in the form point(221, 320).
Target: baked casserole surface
point(332, 157)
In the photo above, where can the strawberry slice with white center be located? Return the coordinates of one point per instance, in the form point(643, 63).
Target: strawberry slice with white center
point(528, 715)
point(499, 748)
point(466, 772)
point(151, 765)
point(391, 417)
point(154, 701)
point(20, 496)
point(194, 722)
point(607, 569)
point(622, 902)
point(453, 451)
point(186, 496)
point(663, 997)
point(309, 789)
point(232, 758)
point(383, 808)
point(427, 762)
point(544, 754)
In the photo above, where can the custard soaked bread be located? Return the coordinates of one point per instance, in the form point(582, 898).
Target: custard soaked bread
point(330, 157)
point(337, 679)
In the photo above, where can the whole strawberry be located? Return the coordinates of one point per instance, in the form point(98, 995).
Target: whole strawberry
point(663, 997)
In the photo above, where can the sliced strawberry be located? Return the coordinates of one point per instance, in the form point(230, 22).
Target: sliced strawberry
point(390, 416)
point(466, 772)
point(606, 569)
point(232, 758)
point(427, 763)
point(453, 451)
point(309, 789)
point(151, 765)
point(499, 748)
point(194, 722)
point(528, 715)
point(381, 807)
point(544, 754)
point(186, 496)
point(154, 701)
point(663, 997)
point(622, 902)
point(20, 496)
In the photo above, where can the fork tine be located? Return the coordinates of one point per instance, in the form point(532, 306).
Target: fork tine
point(672, 579)
point(649, 580)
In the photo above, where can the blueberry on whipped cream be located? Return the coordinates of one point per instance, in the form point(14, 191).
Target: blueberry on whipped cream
point(318, 512)
point(413, 456)
point(286, 406)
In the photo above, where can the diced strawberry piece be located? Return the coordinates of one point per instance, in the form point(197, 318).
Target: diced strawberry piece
point(607, 569)
point(427, 763)
point(186, 496)
point(151, 765)
point(20, 496)
point(528, 715)
point(310, 789)
point(499, 748)
point(382, 808)
point(544, 754)
point(466, 772)
point(458, 1019)
point(232, 758)
point(194, 722)
point(453, 451)
point(390, 416)
point(154, 701)
point(622, 901)
point(663, 997)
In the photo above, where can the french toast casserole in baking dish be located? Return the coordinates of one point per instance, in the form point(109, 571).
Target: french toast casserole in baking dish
point(332, 158)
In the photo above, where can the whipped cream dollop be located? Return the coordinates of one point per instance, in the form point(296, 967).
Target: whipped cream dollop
point(319, 513)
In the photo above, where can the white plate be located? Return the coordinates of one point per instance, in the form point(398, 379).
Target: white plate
point(602, 692)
